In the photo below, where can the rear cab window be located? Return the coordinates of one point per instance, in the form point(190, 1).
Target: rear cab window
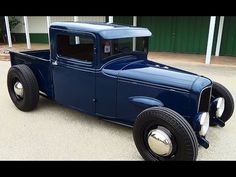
point(78, 47)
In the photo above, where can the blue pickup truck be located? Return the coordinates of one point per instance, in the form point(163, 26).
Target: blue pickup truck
point(103, 70)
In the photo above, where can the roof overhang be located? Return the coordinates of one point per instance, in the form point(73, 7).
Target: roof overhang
point(125, 33)
point(106, 31)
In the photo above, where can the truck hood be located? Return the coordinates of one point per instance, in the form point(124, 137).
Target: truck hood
point(148, 72)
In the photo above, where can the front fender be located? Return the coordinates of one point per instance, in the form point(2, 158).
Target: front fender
point(145, 102)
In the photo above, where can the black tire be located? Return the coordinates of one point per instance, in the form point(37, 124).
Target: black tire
point(184, 138)
point(24, 75)
point(219, 90)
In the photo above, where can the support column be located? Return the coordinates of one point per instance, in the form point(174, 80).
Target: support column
point(77, 41)
point(134, 39)
point(76, 18)
point(219, 37)
point(48, 25)
point(210, 39)
point(8, 31)
point(110, 19)
point(27, 32)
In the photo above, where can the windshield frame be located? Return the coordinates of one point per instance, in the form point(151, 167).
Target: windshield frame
point(116, 55)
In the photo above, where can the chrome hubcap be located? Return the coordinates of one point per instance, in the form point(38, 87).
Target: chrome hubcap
point(18, 89)
point(159, 142)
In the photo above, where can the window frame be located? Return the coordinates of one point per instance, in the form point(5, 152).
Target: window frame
point(106, 59)
point(70, 60)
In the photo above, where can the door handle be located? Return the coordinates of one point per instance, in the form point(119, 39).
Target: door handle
point(54, 62)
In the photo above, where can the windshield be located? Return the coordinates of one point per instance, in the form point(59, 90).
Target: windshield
point(123, 46)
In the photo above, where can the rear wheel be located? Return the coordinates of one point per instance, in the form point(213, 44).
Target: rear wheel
point(161, 134)
point(23, 87)
point(218, 91)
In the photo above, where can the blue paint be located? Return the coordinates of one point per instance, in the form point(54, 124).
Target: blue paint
point(145, 102)
point(39, 62)
point(117, 89)
point(106, 31)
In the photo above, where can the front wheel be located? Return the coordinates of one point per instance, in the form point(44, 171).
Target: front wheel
point(161, 134)
point(218, 91)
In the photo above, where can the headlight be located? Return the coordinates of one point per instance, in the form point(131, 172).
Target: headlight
point(220, 107)
point(204, 123)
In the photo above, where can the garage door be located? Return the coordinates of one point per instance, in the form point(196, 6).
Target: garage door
point(186, 34)
point(228, 43)
point(123, 20)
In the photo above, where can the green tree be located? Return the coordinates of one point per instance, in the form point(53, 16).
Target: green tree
point(13, 22)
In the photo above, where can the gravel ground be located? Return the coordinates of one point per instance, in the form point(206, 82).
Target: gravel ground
point(53, 132)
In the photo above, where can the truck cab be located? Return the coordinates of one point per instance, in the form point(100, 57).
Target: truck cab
point(79, 53)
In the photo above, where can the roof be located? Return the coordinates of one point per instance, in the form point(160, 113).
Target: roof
point(107, 31)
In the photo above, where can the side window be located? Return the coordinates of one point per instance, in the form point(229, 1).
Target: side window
point(80, 47)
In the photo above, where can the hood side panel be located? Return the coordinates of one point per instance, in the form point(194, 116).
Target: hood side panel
point(160, 75)
point(134, 68)
point(176, 89)
point(178, 101)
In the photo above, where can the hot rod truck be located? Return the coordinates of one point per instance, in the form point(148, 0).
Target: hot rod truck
point(97, 68)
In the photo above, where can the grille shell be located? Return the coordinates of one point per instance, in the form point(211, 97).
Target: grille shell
point(204, 99)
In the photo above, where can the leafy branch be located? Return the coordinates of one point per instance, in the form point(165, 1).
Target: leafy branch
point(13, 22)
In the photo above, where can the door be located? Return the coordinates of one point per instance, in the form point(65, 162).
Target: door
point(73, 71)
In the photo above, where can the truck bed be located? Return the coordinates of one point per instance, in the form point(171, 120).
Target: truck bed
point(42, 54)
point(39, 63)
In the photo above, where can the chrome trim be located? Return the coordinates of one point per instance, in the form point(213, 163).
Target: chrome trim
point(165, 67)
point(204, 119)
point(18, 89)
point(159, 142)
point(200, 95)
point(43, 94)
point(115, 122)
point(54, 62)
point(220, 107)
point(153, 85)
